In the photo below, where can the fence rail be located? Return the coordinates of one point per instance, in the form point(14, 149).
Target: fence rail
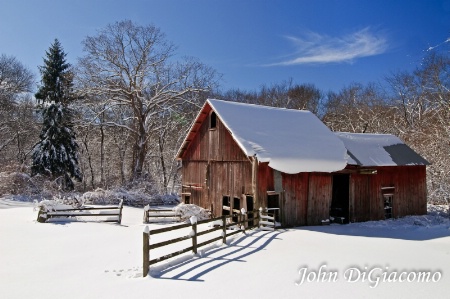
point(220, 223)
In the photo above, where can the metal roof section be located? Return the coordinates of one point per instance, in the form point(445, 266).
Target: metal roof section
point(379, 150)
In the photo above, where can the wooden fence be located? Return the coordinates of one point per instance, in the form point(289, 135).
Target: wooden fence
point(220, 224)
point(150, 213)
point(268, 218)
point(110, 213)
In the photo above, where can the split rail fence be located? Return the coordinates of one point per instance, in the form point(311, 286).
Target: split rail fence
point(219, 223)
point(106, 213)
point(150, 213)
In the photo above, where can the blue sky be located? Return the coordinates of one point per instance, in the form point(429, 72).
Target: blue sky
point(251, 42)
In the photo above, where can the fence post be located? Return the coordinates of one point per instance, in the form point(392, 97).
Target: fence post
point(224, 229)
point(193, 220)
point(260, 214)
point(146, 251)
point(146, 208)
point(120, 211)
point(243, 222)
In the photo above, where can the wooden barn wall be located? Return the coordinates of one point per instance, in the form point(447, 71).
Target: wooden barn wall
point(194, 182)
point(229, 179)
point(198, 149)
point(319, 197)
point(306, 198)
point(360, 197)
point(265, 182)
point(295, 199)
point(215, 162)
point(410, 196)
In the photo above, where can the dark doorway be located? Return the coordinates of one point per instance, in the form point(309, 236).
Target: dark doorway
point(340, 199)
point(226, 207)
point(250, 215)
point(236, 206)
point(273, 202)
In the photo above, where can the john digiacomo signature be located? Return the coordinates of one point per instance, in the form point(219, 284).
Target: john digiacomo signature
point(372, 275)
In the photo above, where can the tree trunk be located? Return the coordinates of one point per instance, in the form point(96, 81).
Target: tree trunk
point(85, 142)
point(163, 165)
point(102, 157)
point(139, 154)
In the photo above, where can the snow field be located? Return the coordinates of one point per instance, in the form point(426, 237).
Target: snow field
point(102, 260)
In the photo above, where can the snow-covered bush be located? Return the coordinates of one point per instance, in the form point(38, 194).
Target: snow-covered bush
point(188, 210)
point(135, 198)
point(17, 183)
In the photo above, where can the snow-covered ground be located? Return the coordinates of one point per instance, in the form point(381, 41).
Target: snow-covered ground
point(100, 260)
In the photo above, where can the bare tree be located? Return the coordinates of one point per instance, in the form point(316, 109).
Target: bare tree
point(130, 65)
point(14, 79)
point(358, 109)
point(16, 110)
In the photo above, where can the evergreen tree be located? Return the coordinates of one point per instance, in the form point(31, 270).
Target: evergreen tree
point(56, 155)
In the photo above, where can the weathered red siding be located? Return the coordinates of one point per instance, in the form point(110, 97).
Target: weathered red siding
point(295, 205)
point(215, 162)
point(410, 195)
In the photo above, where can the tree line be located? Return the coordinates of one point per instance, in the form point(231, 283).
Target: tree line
point(130, 101)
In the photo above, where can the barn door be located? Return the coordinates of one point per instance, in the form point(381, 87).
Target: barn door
point(319, 198)
point(250, 208)
point(340, 198)
point(273, 204)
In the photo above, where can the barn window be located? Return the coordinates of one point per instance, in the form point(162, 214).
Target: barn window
point(213, 120)
point(388, 198)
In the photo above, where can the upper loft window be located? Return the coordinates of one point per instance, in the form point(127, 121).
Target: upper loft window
point(212, 120)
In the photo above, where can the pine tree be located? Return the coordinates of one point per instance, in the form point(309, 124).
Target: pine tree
point(56, 155)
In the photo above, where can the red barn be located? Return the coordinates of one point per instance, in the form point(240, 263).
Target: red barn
point(249, 156)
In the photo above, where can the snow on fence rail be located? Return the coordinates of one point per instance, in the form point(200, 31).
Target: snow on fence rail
point(219, 223)
point(109, 213)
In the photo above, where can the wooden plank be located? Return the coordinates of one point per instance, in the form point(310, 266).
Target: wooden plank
point(171, 241)
point(168, 229)
point(63, 214)
point(156, 215)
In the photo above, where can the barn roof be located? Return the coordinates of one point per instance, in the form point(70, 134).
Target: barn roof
point(379, 150)
point(292, 141)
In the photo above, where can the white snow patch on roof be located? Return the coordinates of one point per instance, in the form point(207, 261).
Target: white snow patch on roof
point(369, 148)
point(292, 141)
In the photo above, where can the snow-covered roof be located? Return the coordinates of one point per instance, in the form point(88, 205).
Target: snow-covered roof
point(292, 141)
point(379, 150)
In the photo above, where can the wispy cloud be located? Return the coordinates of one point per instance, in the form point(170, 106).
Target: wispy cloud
point(317, 48)
point(434, 47)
